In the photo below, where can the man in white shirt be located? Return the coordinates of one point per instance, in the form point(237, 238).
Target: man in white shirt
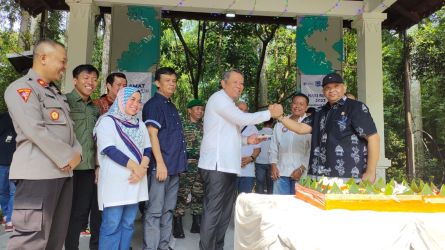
point(249, 153)
point(220, 156)
point(263, 181)
point(289, 152)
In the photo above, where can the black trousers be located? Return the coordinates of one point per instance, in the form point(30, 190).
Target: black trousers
point(84, 206)
point(41, 214)
point(219, 196)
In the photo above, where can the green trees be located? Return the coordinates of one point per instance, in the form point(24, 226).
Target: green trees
point(429, 67)
point(202, 50)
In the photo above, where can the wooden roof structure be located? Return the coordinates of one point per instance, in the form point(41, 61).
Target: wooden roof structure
point(401, 15)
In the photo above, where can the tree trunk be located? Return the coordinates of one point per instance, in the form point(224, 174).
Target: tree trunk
point(24, 34)
point(195, 61)
point(43, 24)
point(200, 59)
point(35, 21)
point(409, 145)
point(263, 93)
point(269, 35)
point(106, 52)
point(416, 108)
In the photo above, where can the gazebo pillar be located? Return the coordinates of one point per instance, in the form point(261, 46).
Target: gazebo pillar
point(370, 75)
point(80, 36)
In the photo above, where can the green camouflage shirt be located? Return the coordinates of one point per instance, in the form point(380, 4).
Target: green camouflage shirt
point(193, 137)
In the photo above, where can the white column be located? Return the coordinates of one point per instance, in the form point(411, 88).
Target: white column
point(80, 37)
point(370, 74)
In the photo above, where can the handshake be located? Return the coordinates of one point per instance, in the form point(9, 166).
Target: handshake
point(276, 110)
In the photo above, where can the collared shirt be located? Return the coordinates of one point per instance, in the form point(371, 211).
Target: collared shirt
point(103, 103)
point(162, 114)
point(289, 150)
point(84, 114)
point(263, 157)
point(193, 137)
point(247, 150)
point(339, 145)
point(45, 136)
point(221, 144)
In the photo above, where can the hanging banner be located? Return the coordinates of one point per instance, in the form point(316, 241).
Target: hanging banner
point(311, 86)
point(319, 44)
point(142, 81)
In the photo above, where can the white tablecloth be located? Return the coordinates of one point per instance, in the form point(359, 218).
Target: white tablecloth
point(285, 222)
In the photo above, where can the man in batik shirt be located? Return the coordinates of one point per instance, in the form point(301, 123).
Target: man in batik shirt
point(345, 142)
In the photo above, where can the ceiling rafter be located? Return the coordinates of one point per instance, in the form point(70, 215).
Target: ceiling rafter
point(402, 14)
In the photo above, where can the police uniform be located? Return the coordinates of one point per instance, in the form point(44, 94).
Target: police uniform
point(46, 143)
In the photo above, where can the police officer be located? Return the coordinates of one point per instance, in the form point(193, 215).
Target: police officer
point(190, 182)
point(47, 152)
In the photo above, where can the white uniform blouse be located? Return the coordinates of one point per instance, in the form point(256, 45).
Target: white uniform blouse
point(113, 188)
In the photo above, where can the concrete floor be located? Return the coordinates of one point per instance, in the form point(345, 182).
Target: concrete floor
point(190, 242)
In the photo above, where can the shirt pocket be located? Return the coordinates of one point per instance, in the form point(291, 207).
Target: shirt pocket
point(78, 118)
point(53, 113)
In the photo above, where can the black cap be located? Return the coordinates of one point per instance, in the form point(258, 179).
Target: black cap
point(330, 78)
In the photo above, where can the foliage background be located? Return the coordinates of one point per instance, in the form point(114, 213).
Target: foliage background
point(233, 45)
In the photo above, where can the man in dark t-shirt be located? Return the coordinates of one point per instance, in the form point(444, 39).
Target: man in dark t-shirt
point(7, 187)
point(345, 142)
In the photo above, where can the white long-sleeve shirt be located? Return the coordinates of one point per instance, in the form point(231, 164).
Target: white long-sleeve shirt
point(221, 143)
point(247, 150)
point(264, 156)
point(289, 150)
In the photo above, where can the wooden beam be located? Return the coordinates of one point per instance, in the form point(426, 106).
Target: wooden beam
point(378, 5)
point(222, 18)
point(346, 9)
point(413, 16)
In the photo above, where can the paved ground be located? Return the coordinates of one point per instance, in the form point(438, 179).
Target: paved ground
point(189, 243)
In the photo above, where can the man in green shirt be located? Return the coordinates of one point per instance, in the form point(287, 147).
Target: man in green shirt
point(84, 114)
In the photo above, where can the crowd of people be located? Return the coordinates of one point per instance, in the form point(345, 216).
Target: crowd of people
point(81, 162)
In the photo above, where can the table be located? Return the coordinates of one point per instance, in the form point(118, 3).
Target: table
point(285, 222)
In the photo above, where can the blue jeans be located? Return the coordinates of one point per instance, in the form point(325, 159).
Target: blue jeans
point(117, 227)
point(7, 191)
point(284, 185)
point(263, 180)
point(245, 184)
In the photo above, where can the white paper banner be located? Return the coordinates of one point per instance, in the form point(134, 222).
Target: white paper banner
point(311, 86)
point(142, 81)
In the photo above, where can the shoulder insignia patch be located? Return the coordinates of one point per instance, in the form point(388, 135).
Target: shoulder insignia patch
point(24, 93)
point(42, 83)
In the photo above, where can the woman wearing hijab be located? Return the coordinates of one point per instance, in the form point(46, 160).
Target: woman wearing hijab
point(123, 148)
